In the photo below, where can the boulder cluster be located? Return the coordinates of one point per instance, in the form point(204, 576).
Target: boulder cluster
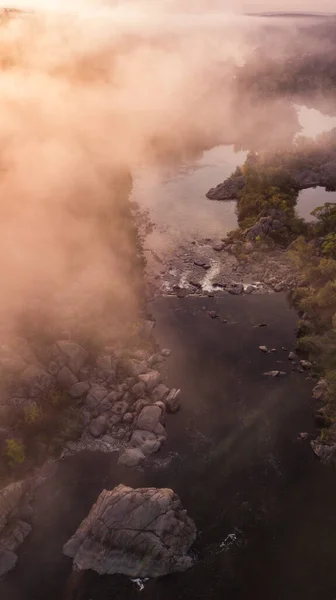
point(120, 395)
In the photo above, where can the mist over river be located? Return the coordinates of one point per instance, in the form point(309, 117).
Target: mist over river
point(238, 452)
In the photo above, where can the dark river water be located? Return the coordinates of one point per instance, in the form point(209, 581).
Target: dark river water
point(263, 505)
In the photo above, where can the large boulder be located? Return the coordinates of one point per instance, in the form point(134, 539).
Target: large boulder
point(146, 441)
point(98, 426)
point(131, 457)
point(173, 401)
point(66, 379)
point(36, 378)
point(151, 380)
point(140, 532)
point(75, 355)
point(149, 418)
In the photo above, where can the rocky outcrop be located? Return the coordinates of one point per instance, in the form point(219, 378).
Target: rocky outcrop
point(321, 390)
point(270, 221)
point(14, 509)
point(326, 453)
point(136, 532)
point(228, 190)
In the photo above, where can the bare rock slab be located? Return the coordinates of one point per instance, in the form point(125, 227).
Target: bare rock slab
point(142, 532)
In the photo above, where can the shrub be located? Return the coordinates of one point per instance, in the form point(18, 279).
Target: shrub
point(32, 414)
point(56, 398)
point(329, 245)
point(14, 452)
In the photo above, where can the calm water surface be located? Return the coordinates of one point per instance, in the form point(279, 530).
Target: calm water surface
point(310, 199)
point(175, 197)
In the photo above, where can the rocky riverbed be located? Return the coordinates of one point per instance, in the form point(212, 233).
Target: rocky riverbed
point(217, 267)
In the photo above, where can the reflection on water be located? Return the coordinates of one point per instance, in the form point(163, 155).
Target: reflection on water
point(175, 196)
point(310, 199)
point(176, 199)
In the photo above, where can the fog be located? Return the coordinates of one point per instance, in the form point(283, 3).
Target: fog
point(85, 95)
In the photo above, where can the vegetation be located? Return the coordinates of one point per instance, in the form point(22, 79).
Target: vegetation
point(266, 186)
point(316, 296)
point(14, 453)
point(269, 184)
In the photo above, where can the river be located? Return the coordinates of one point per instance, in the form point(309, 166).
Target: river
point(263, 504)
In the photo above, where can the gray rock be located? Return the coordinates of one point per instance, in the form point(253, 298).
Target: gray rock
point(149, 417)
point(275, 373)
point(151, 380)
point(131, 457)
point(248, 247)
point(104, 406)
point(306, 364)
point(166, 352)
point(53, 368)
point(139, 405)
point(34, 376)
point(249, 289)
point(14, 502)
point(159, 393)
point(134, 368)
point(75, 355)
point(202, 263)
point(173, 401)
point(113, 397)
point(66, 379)
point(155, 359)
point(279, 287)
point(147, 441)
point(104, 362)
point(136, 532)
point(139, 354)
point(85, 374)
point(120, 408)
point(95, 396)
point(163, 409)
point(114, 420)
point(263, 349)
point(106, 376)
point(213, 314)
point(321, 390)
point(160, 433)
point(128, 418)
point(86, 417)
point(293, 356)
point(98, 426)
point(236, 289)
point(218, 246)
point(79, 389)
point(138, 390)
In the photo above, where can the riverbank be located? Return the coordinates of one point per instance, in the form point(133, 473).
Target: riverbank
point(266, 188)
